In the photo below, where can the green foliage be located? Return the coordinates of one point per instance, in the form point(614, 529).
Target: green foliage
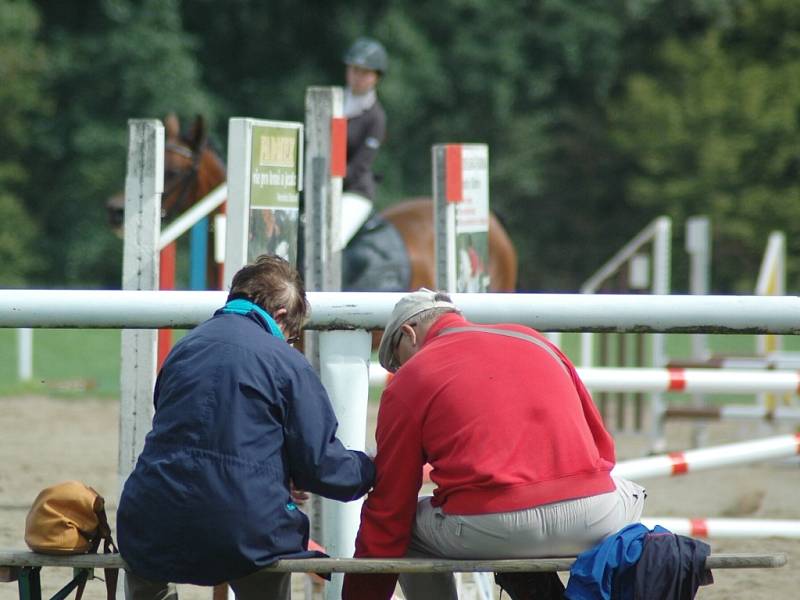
point(716, 133)
point(22, 61)
point(122, 60)
point(600, 114)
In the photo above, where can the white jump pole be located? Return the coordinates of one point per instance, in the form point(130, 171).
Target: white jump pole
point(704, 381)
point(736, 411)
point(188, 219)
point(630, 379)
point(727, 528)
point(123, 309)
point(680, 463)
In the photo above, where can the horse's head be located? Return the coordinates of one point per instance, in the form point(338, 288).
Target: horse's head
point(191, 170)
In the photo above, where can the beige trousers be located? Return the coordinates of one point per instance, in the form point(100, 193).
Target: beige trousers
point(558, 529)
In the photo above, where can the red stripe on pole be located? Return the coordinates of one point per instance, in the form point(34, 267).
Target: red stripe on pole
point(679, 464)
point(454, 184)
point(698, 528)
point(677, 380)
point(166, 281)
point(338, 147)
point(797, 439)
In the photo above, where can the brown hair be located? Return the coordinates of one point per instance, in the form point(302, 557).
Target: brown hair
point(273, 283)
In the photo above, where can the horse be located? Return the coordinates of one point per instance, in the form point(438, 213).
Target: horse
point(192, 169)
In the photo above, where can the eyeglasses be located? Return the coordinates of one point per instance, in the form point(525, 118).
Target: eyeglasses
point(293, 340)
point(397, 341)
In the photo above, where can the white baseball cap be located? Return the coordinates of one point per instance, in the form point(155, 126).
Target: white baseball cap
point(407, 308)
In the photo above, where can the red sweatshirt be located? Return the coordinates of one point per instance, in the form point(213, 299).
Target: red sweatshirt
point(503, 424)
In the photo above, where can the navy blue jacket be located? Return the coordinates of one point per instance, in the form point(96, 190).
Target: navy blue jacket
point(239, 413)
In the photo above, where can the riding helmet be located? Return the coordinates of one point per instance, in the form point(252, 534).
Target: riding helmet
point(368, 54)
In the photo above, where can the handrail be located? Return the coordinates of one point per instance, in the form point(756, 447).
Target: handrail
point(188, 219)
point(624, 254)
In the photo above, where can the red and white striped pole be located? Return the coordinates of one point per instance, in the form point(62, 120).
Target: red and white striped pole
point(605, 379)
point(727, 528)
point(706, 381)
point(679, 463)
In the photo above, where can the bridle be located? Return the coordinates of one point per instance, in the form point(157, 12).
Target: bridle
point(183, 184)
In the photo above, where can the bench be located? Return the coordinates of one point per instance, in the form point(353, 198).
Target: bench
point(25, 567)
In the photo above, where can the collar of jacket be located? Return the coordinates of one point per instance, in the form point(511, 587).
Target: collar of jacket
point(240, 306)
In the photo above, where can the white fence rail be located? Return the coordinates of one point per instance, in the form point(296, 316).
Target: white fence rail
point(636, 379)
point(364, 310)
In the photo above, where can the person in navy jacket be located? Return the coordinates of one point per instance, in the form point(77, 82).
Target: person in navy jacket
point(241, 423)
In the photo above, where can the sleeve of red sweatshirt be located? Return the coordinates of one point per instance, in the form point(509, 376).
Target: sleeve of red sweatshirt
point(388, 513)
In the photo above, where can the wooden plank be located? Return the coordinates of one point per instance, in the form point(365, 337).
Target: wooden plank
point(388, 565)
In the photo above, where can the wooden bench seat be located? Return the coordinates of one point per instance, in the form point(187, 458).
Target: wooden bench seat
point(24, 566)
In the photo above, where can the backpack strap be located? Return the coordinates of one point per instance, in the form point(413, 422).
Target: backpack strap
point(109, 547)
point(509, 333)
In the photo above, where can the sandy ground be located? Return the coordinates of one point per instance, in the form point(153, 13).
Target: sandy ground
point(44, 441)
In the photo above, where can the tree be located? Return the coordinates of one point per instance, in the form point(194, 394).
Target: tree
point(115, 61)
point(715, 132)
point(22, 61)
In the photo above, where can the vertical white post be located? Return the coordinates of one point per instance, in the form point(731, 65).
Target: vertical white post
point(662, 247)
point(144, 183)
point(447, 190)
point(771, 282)
point(323, 191)
point(237, 212)
point(698, 246)
point(587, 349)
point(25, 354)
point(321, 218)
point(344, 364)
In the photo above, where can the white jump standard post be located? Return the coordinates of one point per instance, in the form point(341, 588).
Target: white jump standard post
point(461, 216)
point(343, 356)
point(144, 184)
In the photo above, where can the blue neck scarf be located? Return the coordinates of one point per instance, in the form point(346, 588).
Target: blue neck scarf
point(240, 306)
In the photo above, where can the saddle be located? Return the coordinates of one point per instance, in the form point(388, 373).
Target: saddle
point(376, 259)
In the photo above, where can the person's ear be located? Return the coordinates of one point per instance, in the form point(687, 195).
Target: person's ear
point(411, 333)
point(280, 314)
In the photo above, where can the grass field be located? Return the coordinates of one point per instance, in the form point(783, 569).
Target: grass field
point(77, 362)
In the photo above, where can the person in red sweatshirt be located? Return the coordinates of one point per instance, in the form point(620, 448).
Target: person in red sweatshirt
point(519, 454)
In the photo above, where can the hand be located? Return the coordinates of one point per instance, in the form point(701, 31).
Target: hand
point(298, 496)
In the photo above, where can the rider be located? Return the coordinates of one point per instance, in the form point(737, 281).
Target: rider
point(366, 62)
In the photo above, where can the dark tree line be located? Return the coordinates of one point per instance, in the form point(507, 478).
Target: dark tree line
point(600, 115)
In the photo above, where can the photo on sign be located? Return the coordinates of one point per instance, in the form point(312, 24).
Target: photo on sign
point(273, 231)
point(472, 262)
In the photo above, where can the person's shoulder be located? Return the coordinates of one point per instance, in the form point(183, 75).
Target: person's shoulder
point(380, 113)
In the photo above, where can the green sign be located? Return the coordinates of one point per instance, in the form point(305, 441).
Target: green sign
point(274, 172)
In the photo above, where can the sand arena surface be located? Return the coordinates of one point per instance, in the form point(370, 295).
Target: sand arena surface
point(44, 441)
